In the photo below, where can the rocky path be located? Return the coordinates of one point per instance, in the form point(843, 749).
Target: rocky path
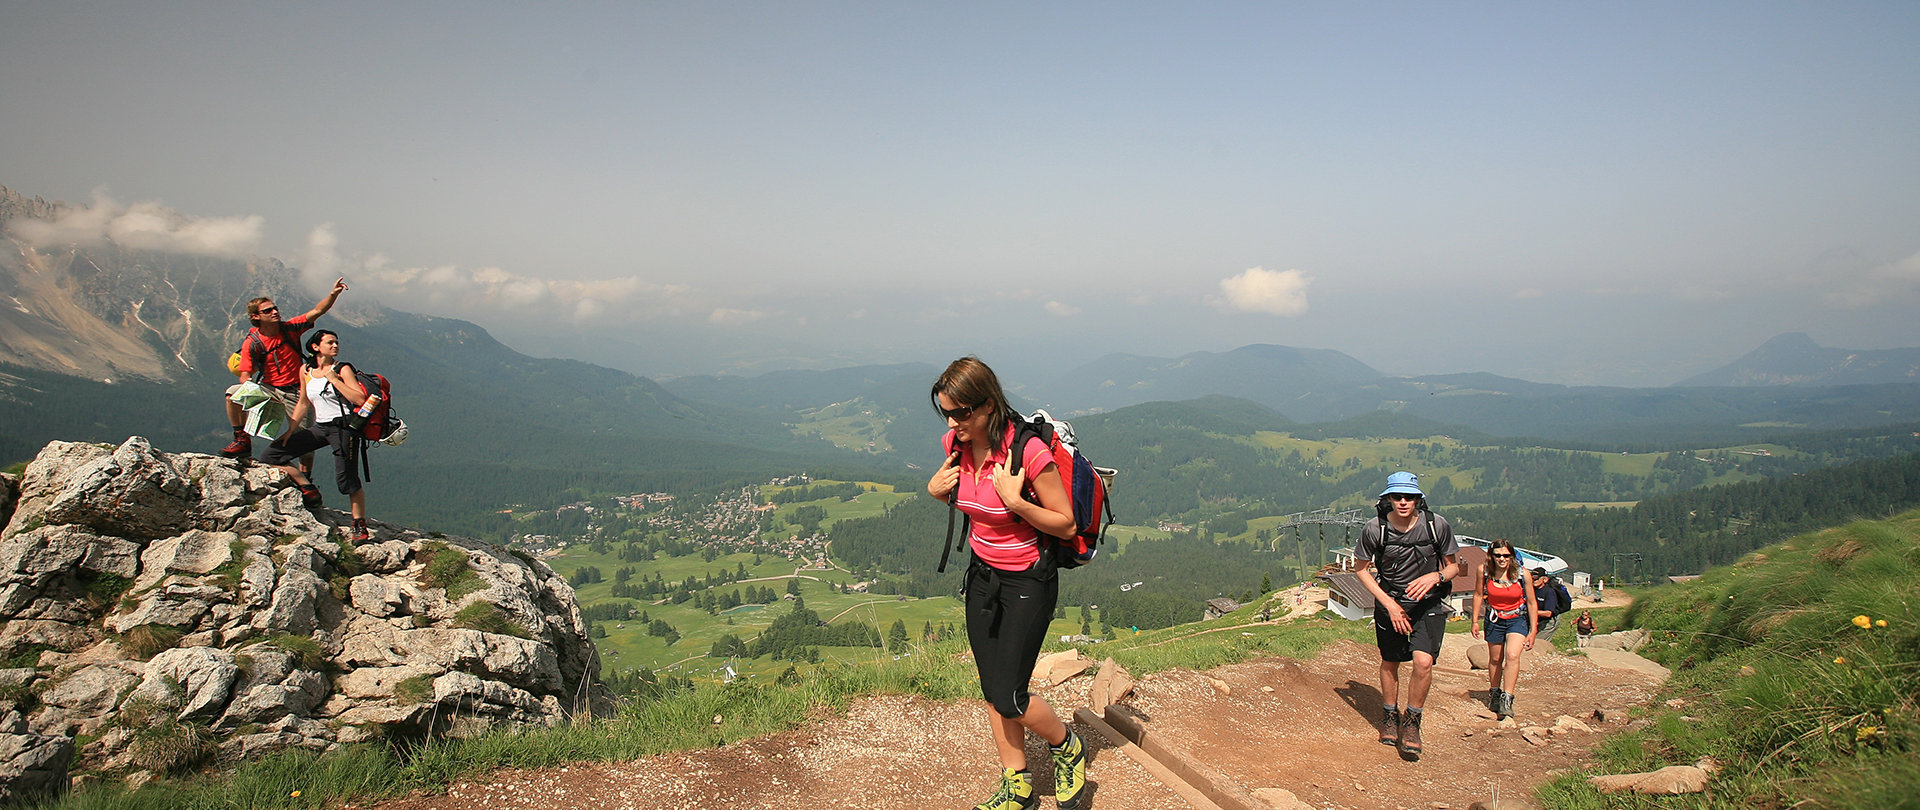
point(1271, 728)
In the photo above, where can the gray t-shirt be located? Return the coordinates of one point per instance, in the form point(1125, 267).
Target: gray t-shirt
point(1399, 559)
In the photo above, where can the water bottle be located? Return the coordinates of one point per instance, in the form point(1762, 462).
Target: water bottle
point(359, 418)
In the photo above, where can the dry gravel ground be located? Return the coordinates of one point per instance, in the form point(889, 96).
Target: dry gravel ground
point(1306, 727)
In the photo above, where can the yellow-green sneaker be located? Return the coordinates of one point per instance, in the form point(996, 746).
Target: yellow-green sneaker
point(1015, 792)
point(1069, 771)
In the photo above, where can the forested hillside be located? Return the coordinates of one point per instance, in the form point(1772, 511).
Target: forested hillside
point(1688, 532)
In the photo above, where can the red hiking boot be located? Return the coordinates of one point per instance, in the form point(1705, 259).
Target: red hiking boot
point(241, 447)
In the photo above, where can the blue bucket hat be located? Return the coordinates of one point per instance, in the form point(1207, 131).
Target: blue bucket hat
point(1403, 482)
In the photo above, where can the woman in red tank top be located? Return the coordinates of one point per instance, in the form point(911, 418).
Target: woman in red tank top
point(1503, 601)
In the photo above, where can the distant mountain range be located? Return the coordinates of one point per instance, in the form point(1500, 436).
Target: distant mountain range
point(1794, 359)
point(100, 341)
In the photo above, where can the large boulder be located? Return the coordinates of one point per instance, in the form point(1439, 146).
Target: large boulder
point(201, 588)
point(33, 766)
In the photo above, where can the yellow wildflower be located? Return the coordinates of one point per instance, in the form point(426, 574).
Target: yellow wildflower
point(1879, 622)
point(1840, 659)
point(1866, 733)
point(1862, 622)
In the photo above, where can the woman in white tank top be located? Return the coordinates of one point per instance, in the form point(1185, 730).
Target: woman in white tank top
point(331, 390)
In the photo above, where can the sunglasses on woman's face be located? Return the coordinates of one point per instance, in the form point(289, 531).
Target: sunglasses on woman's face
point(1503, 556)
point(959, 414)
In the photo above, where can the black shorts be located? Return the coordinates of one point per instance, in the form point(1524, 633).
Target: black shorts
point(1429, 620)
point(1007, 617)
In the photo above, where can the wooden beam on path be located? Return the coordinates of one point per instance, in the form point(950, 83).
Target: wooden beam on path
point(1198, 785)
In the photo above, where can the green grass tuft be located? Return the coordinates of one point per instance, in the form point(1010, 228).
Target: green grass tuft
point(487, 619)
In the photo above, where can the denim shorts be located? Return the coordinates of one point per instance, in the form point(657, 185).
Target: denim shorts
point(1497, 629)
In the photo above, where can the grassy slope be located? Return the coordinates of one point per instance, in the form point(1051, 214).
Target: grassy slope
point(1776, 680)
point(1826, 717)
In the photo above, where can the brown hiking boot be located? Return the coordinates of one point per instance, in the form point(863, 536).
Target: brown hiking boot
point(1390, 728)
point(1410, 733)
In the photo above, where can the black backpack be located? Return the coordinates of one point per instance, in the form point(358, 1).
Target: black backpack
point(1555, 600)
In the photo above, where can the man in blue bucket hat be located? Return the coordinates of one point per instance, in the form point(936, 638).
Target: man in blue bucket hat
point(1407, 558)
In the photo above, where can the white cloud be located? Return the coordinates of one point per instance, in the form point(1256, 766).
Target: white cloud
point(487, 290)
point(1879, 285)
point(1528, 293)
point(145, 226)
point(1267, 291)
point(725, 316)
point(1062, 310)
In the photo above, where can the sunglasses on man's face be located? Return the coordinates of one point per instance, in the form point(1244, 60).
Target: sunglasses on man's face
point(1401, 496)
point(959, 414)
point(265, 310)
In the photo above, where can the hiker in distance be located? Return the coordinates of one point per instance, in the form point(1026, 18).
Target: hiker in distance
point(270, 355)
point(330, 392)
point(1407, 558)
point(1583, 629)
point(1012, 584)
point(1552, 599)
point(1503, 601)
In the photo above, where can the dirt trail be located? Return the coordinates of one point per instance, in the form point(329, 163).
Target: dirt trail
point(1306, 727)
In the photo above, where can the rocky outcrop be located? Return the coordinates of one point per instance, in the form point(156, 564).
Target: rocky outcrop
point(142, 590)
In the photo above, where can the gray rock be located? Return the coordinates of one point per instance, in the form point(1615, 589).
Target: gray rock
point(384, 558)
point(294, 600)
point(262, 664)
point(257, 580)
point(64, 609)
point(33, 766)
point(197, 680)
point(496, 657)
point(132, 493)
point(298, 695)
point(168, 522)
point(1672, 780)
point(93, 689)
point(378, 596)
point(158, 608)
point(378, 682)
point(34, 556)
point(195, 553)
point(466, 690)
point(56, 635)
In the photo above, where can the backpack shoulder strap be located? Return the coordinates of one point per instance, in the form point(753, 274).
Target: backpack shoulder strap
point(256, 348)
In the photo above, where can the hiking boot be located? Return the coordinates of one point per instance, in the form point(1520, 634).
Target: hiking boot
point(309, 496)
point(360, 530)
point(1506, 705)
point(1390, 729)
point(1069, 771)
point(1493, 701)
point(241, 447)
point(1410, 732)
point(1015, 792)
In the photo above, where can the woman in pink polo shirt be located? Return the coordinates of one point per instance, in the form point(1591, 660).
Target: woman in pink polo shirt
point(1011, 585)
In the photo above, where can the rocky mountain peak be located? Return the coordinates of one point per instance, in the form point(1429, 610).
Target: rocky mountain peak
point(192, 597)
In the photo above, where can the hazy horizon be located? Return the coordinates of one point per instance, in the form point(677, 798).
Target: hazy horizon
point(1622, 195)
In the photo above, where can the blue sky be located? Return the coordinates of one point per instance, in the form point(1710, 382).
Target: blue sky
point(1621, 193)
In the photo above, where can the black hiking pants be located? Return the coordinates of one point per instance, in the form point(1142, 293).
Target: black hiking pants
point(1007, 617)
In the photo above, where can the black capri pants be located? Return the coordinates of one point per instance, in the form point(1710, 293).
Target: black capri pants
point(1007, 617)
point(300, 442)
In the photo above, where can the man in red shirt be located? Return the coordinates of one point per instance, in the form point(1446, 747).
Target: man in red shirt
point(274, 345)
